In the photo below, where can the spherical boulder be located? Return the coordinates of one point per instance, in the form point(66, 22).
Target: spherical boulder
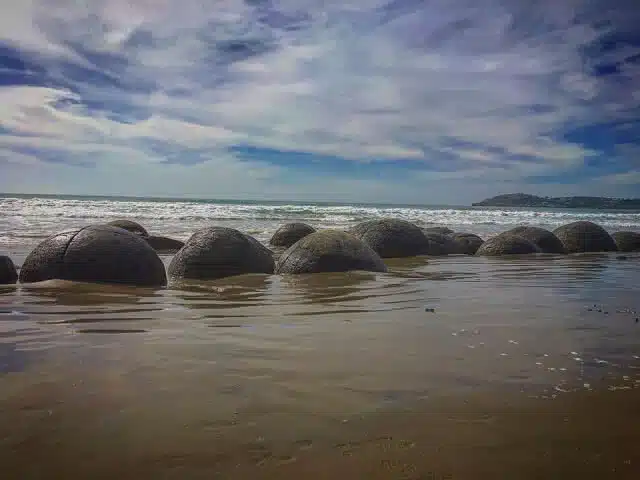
point(584, 236)
point(468, 243)
point(97, 253)
point(440, 244)
point(442, 230)
point(504, 244)
point(546, 240)
point(219, 252)
point(329, 251)
point(391, 237)
point(627, 241)
point(290, 233)
point(8, 272)
point(164, 244)
point(130, 226)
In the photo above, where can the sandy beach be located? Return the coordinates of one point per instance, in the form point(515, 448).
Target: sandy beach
point(450, 367)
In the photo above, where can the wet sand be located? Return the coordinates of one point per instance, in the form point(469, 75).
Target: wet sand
point(456, 367)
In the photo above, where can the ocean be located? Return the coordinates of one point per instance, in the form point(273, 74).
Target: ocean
point(25, 220)
point(455, 367)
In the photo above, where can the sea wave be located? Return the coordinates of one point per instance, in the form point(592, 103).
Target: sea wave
point(23, 220)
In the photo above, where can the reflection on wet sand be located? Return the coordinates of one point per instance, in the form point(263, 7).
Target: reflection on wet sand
point(460, 367)
point(242, 290)
point(325, 288)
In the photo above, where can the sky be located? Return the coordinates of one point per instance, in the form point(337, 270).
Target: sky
point(394, 101)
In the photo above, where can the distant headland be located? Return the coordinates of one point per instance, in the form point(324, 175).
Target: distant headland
point(525, 200)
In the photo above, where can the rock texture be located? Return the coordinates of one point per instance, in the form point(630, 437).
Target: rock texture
point(546, 240)
point(468, 243)
point(218, 252)
point(578, 237)
point(164, 244)
point(97, 253)
point(329, 251)
point(504, 244)
point(442, 230)
point(627, 241)
point(290, 233)
point(392, 237)
point(8, 272)
point(130, 226)
point(440, 244)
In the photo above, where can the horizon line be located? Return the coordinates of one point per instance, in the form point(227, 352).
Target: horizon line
point(214, 199)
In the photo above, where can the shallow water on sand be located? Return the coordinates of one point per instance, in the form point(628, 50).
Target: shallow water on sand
point(452, 367)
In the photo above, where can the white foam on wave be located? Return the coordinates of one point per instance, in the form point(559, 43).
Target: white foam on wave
point(24, 220)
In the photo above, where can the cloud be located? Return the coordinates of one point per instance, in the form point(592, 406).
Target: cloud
point(442, 91)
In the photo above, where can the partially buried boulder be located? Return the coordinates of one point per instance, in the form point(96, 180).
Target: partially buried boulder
point(585, 236)
point(627, 241)
point(505, 244)
point(97, 253)
point(8, 272)
point(164, 244)
point(329, 251)
point(440, 244)
point(219, 252)
point(130, 226)
point(468, 243)
point(290, 233)
point(546, 240)
point(392, 237)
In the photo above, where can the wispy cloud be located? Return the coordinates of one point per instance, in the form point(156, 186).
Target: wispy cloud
point(452, 91)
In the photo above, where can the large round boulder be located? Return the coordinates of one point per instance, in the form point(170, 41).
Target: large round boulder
point(290, 233)
point(164, 244)
point(329, 251)
point(505, 244)
point(440, 244)
point(219, 252)
point(468, 243)
point(627, 241)
point(8, 272)
point(97, 253)
point(391, 237)
point(584, 236)
point(130, 226)
point(546, 240)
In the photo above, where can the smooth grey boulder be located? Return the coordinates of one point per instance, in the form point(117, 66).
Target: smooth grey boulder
point(441, 244)
point(219, 252)
point(468, 243)
point(392, 238)
point(546, 240)
point(130, 226)
point(627, 241)
point(8, 272)
point(584, 236)
point(504, 244)
point(290, 233)
point(97, 253)
point(442, 230)
point(329, 251)
point(164, 244)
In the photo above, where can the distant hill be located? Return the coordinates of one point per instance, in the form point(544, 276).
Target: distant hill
point(525, 200)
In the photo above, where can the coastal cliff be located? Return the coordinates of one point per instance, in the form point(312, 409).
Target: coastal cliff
point(525, 200)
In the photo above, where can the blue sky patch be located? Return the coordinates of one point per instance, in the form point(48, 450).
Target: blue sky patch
point(432, 101)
